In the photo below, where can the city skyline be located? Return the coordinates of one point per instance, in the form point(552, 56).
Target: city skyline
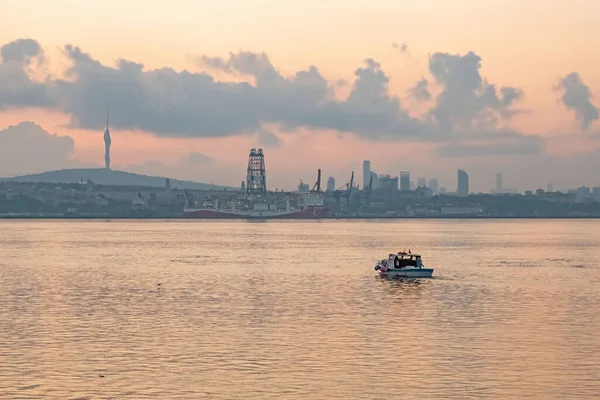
point(442, 101)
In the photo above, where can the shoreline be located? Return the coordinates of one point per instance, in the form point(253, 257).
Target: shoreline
point(103, 217)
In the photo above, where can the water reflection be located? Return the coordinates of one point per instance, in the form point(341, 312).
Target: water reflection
point(264, 310)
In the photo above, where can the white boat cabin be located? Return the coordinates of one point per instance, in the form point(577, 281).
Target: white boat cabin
point(404, 260)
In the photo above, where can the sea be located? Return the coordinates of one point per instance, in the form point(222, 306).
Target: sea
point(152, 309)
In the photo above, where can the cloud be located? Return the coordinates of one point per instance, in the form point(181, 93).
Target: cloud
point(503, 143)
point(576, 96)
point(402, 47)
point(27, 148)
point(420, 91)
point(21, 51)
point(171, 103)
point(186, 104)
point(466, 99)
point(267, 138)
point(17, 89)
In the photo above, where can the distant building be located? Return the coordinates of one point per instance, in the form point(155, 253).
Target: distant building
point(584, 193)
point(375, 181)
point(424, 191)
point(550, 188)
point(303, 187)
point(433, 185)
point(404, 180)
point(388, 186)
point(499, 182)
point(421, 182)
point(366, 173)
point(443, 190)
point(596, 193)
point(107, 143)
point(462, 183)
point(331, 184)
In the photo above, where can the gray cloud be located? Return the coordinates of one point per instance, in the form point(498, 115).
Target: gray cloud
point(27, 148)
point(576, 96)
point(188, 104)
point(17, 89)
point(420, 91)
point(466, 98)
point(21, 51)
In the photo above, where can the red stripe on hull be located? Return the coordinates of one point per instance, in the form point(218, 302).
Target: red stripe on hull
point(215, 214)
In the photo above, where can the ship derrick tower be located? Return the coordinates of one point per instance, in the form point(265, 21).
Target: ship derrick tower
point(107, 143)
point(256, 180)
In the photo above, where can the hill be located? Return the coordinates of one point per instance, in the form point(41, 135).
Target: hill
point(102, 176)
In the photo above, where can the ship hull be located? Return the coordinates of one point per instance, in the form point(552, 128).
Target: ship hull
point(310, 213)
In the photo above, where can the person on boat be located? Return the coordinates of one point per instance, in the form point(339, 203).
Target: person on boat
point(419, 263)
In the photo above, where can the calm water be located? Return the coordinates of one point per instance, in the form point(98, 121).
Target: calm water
point(294, 310)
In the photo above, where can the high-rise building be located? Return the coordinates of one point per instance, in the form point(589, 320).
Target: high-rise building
point(374, 181)
point(303, 187)
point(107, 143)
point(433, 185)
point(421, 182)
point(331, 184)
point(366, 173)
point(499, 182)
point(388, 186)
point(463, 183)
point(596, 193)
point(404, 180)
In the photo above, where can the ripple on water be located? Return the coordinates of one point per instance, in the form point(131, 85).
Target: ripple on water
point(183, 310)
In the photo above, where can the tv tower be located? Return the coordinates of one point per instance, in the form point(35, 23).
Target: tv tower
point(107, 143)
point(256, 180)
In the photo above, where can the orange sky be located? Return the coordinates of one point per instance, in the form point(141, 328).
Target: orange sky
point(527, 44)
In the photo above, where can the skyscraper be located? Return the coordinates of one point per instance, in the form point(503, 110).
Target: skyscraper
point(331, 184)
point(404, 180)
point(107, 143)
point(463, 183)
point(433, 185)
point(366, 173)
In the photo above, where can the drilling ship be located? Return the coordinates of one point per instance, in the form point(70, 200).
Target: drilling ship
point(308, 206)
point(255, 202)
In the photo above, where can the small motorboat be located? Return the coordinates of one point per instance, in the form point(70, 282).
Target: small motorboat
point(403, 265)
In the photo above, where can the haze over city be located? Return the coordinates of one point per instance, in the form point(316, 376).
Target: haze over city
point(429, 86)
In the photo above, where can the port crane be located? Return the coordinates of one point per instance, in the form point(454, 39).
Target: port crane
point(317, 187)
point(344, 191)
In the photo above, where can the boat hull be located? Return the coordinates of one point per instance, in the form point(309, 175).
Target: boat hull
point(408, 273)
point(309, 213)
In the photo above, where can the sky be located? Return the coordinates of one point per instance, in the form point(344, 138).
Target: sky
point(431, 86)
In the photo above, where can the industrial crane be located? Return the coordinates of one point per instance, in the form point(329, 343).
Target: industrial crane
point(317, 187)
